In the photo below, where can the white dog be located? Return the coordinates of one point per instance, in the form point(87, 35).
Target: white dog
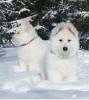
point(61, 60)
point(31, 47)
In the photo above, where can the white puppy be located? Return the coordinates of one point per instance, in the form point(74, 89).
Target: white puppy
point(31, 47)
point(61, 60)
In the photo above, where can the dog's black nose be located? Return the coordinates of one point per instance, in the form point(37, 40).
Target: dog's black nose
point(65, 48)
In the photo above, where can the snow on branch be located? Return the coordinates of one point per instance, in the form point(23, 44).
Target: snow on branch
point(11, 30)
point(24, 9)
point(7, 1)
point(84, 13)
point(38, 27)
point(51, 13)
point(15, 24)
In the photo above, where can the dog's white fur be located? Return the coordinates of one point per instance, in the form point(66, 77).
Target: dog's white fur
point(31, 54)
point(59, 65)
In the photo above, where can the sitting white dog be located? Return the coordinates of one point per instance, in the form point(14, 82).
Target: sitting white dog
point(31, 47)
point(61, 60)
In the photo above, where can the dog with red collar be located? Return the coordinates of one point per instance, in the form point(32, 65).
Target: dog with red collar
point(31, 47)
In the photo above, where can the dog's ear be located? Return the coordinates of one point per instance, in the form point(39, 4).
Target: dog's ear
point(72, 28)
point(58, 28)
point(25, 24)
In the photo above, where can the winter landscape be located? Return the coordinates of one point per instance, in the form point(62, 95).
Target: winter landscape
point(21, 85)
point(27, 85)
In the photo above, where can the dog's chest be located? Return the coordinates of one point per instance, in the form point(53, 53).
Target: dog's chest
point(56, 63)
point(24, 52)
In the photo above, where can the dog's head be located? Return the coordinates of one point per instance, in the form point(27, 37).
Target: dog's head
point(64, 40)
point(24, 32)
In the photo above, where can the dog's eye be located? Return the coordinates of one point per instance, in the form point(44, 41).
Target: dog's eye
point(60, 40)
point(69, 40)
point(18, 33)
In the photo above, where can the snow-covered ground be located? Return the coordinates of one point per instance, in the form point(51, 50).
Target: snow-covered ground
point(27, 85)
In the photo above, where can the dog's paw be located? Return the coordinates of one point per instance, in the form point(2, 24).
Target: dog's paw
point(20, 69)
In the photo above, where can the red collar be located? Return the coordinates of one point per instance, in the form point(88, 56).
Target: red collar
point(28, 42)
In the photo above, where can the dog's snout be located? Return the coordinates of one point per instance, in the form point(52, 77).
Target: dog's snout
point(65, 48)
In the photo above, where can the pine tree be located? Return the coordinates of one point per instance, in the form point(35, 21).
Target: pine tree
point(46, 14)
point(79, 16)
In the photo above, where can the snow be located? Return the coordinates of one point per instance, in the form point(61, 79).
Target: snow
point(7, 1)
point(73, 0)
point(76, 0)
point(39, 27)
point(27, 85)
point(24, 9)
point(86, 36)
point(11, 30)
point(83, 13)
point(54, 24)
point(50, 13)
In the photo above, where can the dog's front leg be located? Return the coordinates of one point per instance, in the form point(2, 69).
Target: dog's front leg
point(54, 76)
point(33, 66)
point(22, 66)
point(72, 77)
